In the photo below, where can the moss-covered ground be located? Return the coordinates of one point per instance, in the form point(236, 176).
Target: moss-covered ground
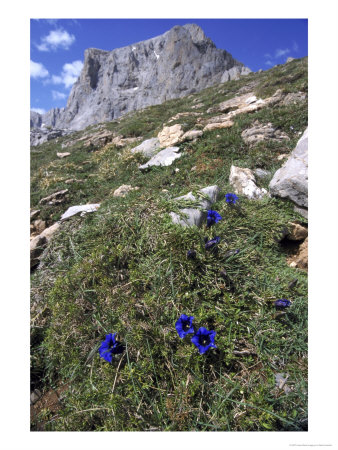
point(125, 269)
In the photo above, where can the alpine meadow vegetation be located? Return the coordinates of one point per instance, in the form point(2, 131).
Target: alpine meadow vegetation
point(140, 324)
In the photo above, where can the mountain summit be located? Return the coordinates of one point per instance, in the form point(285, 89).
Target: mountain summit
point(112, 83)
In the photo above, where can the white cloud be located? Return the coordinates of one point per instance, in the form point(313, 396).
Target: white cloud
point(269, 63)
point(295, 47)
point(69, 74)
point(58, 95)
point(38, 70)
point(267, 55)
point(56, 39)
point(52, 21)
point(281, 52)
point(38, 110)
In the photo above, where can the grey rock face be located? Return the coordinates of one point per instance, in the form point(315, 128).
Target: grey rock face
point(196, 216)
point(35, 119)
point(40, 135)
point(112, 83)
point(163, 158)
point(291, 180)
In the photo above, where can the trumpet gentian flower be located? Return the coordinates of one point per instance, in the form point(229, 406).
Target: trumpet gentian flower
point(211, 244)
point(184, 325)
point(231, 198)
point(109, 347)
point(213, 217)
point(282, 303)
point(204, 339)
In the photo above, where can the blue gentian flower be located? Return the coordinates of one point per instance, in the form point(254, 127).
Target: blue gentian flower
point(109, 347)
point(184, 325)
point(191, 254)
point(282, 303)
point(210, 244)
point(213, 217)
point(231, 198)
point(204, 339)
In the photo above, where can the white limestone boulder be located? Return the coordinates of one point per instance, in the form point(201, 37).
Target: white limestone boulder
point(244, 183)
point(189, 217)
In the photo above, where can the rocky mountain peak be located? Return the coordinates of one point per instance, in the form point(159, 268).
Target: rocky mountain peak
point(112, 83)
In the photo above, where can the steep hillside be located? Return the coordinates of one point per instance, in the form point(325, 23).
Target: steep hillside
point(126, 268)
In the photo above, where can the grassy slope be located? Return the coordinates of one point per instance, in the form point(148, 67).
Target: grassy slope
point(124, 269)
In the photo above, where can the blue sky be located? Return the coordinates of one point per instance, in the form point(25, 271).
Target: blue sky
point(57, 46)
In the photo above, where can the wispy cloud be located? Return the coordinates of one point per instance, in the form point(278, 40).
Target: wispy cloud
point(38, 70)
point(52, 21)
point(295, 47)
point(281, 52)
point(58, 95)
point(69, 74)
point(56, 39)
point(269, 63)
point(38, 110)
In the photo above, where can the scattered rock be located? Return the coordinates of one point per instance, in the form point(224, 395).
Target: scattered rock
point(199, 105)
point(281, 382)
point(38, 243)
point(245, 103)
point(289, 59)
point(73, 180)
point(34, 214)
point(300, 260)
point(282, 156)
point(214, 126)
point(37, 226)
point(234, 103)
point(294, 98)
point(62, 155)
point(48, 232)
point(296, 232)
point(119, 141)
point(99, 139)
point(148, 147)
point(37, 246)
point(244, 183)
point(35, 395)
point(191, 135)
point(261, 173)
point(291, 180)
point(54, 199)
point(80, 209)
point(259, 133)
point(123, 190)
point(196, 216)
point(302, 211)
point(182, 114)
point(170, 135)
point(164, 158)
